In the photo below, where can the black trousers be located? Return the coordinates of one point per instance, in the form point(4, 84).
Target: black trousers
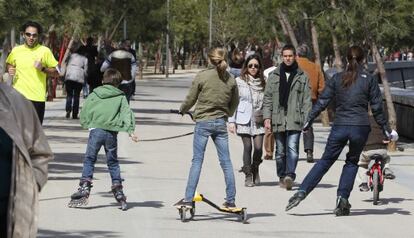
point(127, 89)
point(40, 109)
point(308, 139)
point(73, 90)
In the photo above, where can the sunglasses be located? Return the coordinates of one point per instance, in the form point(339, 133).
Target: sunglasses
point(253, 66)
point(28, 34)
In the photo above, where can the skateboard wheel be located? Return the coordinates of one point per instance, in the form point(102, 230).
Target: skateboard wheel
point(244, 215)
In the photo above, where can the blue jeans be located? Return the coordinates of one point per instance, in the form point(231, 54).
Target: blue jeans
point(217, 129)
point(97, 139)
point(287, 153)
point(338, 138)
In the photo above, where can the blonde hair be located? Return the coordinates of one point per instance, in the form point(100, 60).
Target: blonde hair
point(217, 57)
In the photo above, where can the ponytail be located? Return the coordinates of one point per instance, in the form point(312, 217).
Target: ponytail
point(355, 56)
point(217, 58)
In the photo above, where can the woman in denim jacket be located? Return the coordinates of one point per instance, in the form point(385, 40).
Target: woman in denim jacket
point(247, 121)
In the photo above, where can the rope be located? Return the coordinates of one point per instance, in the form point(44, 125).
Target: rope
point(167, 138)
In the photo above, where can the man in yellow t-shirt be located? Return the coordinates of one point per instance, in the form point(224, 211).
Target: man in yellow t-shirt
point(29, 64)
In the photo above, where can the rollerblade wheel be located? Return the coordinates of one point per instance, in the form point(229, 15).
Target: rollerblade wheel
point(244, 216)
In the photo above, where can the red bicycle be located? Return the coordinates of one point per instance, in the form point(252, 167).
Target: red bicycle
point(376, 176)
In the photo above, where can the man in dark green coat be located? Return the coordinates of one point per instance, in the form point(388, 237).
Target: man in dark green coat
point(286, 104)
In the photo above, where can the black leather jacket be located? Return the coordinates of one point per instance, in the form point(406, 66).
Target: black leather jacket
point(352, 103)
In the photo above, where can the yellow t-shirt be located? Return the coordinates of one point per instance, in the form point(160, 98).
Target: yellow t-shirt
point(28, 80)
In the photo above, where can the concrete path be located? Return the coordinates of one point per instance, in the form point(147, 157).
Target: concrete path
point(156, 172)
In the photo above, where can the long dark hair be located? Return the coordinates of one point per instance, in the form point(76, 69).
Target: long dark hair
point(355, 57)
point(245, 72)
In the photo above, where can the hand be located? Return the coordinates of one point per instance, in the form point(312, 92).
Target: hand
point(389, 134)
point(134, 138)
point(393, 135)
point(232, 127)
point(38, 65)
point(306, 127)
point(268, 124)
point(11, 70)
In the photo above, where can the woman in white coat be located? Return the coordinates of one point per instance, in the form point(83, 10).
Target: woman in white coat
point(247, 121)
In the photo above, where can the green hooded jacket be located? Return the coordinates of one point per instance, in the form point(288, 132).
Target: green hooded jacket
point(107, 108)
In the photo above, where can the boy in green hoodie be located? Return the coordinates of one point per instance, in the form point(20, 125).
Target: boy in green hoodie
point(105, 112)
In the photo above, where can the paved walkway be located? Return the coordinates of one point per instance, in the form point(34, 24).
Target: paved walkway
point(155, 177)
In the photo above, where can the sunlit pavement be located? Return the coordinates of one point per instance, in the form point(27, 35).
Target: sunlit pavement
point(155, 176)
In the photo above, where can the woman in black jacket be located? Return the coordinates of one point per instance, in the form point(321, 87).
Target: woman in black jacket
point(354, 89)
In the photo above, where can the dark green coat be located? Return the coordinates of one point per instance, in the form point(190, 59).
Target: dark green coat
point(299, 102)
point(215, 97)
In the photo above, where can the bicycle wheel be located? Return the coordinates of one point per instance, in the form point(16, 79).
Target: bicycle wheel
point(375, 185)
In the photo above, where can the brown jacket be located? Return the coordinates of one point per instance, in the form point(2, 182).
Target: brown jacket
point(315, 76)
point(31, 154)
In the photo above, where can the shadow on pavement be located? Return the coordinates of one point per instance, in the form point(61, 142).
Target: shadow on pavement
point(64, 128)
point(384, 201)
point(67, 139)
point(160, 100)
point(73, 163)
point(386, 211)
point(229, 217)
point(131, 205)
point(361, 212)
point(274, 183)
point(42, 233)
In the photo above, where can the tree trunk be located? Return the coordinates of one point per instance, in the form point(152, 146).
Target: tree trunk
point(282, 24)
point(13, 37)
point(66, 55)
point(117, 25)
point(392, 117)
point(289, 28)
point(47, 41)
point(338, 61)
point(277, 41)
point(315, 44)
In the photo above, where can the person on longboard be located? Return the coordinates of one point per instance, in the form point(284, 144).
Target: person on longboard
point(215, 93)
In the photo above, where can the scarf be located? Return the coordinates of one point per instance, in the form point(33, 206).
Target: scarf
point(284, 86)
point(255, 83)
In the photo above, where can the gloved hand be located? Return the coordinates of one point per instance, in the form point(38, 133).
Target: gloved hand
point(391, 135)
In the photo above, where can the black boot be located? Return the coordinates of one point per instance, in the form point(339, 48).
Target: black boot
point(343, 207)
point(309, 156)
point(296, 199)
point(255, 171)
point(117, 190)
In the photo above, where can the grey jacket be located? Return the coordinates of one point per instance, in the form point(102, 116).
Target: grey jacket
point(31, 154)
point(77, 68)
point(299, 102)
